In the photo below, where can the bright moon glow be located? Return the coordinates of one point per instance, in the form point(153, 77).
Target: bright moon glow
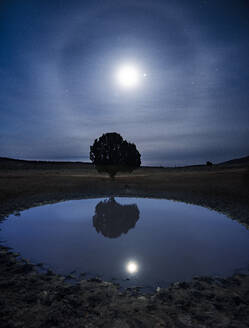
point(128, 76)
point(132, 267)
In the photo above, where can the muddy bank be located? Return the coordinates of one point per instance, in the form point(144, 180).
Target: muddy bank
point(29, 298)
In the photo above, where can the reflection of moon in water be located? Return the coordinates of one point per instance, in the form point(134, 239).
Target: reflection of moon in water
point(132, 267)
point(112, 219)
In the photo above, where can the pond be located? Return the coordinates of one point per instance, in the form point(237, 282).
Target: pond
point(131, 241)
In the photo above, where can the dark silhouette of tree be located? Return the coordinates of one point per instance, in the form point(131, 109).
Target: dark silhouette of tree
point(112, 219)
point(111, 153)
point(209, 163)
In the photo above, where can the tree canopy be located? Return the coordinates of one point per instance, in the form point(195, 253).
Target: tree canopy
point(111, 153)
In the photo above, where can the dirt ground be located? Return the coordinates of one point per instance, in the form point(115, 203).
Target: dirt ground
point(31, 299)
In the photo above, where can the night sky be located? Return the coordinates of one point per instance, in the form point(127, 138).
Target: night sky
point(59, 91)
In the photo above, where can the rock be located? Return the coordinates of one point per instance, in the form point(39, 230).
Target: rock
point(70, 276)
point(50, 272)
point(142, 298)
point(185, 319)
point(15, 254)
point(46, 298)
point(40, 264)
point(120, 324)
point(151, 307)
point(96, 279)
point(23, 268)
point(107, 284)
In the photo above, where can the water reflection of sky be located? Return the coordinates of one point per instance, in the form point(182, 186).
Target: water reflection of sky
point(151, 241)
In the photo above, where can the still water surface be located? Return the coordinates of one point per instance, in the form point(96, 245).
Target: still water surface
point(135, 241)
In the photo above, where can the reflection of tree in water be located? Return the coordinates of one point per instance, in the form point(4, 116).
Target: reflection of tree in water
point(112, 219)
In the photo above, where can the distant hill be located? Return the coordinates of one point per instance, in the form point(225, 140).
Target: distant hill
point(11, 163)
point(243, 161)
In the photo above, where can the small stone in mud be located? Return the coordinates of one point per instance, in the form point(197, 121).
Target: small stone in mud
point(50, 272)
point(70, 276)
point(142, 298)
point(96, 279)
point(151, 307)
point(40, 264)
point(25, 268)
point(15, 254)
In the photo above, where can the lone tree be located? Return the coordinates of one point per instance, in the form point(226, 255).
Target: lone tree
point(208, 163)
point(111, 153)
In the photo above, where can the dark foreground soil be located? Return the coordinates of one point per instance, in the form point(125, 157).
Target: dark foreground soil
point(29, 298)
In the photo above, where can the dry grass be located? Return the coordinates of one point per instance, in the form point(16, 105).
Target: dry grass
point(232, 183)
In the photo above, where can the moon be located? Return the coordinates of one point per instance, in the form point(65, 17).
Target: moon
point(132, 267)
point(128, 76)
